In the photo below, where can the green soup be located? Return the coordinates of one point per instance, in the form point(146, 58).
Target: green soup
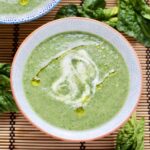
point(15, 7)
point(76, 80)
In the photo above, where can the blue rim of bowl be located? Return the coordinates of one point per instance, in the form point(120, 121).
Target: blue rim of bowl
point(43, 12)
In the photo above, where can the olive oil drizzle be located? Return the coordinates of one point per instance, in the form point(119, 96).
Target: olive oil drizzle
point(36, 79)
point(24, 2)
point(110, 74)
point(79, 111)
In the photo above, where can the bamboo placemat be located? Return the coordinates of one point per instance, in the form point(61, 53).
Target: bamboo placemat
point(17, 133)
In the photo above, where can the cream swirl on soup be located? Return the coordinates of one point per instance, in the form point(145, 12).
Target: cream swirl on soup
point(76, 80)
point(79, 78)
point(77, 68)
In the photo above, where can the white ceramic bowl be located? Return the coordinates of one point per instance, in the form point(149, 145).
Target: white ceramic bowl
point(29, 16)
point(77, 24)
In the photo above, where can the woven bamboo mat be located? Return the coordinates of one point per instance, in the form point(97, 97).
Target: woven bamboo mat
point(17, 133)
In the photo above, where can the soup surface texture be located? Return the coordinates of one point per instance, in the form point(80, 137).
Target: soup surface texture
point(16, 7)
point(76, 80)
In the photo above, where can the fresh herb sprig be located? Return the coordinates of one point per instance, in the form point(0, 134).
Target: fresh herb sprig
point(131, 136)
point(91, 9)
point(7, 103)
point(129, 16)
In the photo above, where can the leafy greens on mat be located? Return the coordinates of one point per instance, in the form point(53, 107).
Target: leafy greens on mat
point(131, 136)
point(7, 103)
point(129, 16)
point(133, 20)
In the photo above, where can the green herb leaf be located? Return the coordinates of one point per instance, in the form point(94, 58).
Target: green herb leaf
point(142, 8)
point(106, 14)
point(112, 22)
point(94, 4)
point(67, 11)
point(5, 69)
point(7, 103)
point(131, 136)
point(132, 23)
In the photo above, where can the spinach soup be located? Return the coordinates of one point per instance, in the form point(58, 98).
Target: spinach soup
point(76, 80)
point(18, 7)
